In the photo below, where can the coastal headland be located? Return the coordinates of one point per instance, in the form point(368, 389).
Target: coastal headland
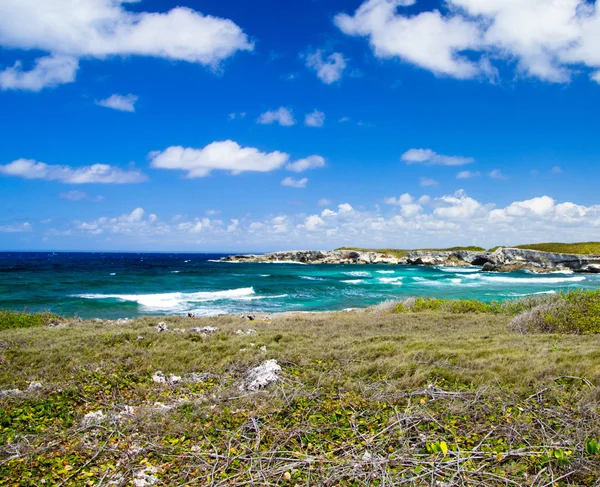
point(498, 260)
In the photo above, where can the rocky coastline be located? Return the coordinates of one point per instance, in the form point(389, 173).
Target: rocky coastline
point(501, 260)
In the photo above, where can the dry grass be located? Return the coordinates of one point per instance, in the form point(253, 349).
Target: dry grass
point(366, 398)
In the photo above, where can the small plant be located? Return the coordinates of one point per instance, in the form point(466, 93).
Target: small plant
point(592, 447)
point(13, 319)
point(437, 447)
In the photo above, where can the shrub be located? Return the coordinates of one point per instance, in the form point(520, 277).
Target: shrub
point(577, 312)
point(14, 319)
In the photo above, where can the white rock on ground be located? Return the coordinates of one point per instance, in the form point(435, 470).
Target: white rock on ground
point(161, 378)
point(144, 478)
point(10, 392)
point(205, 329)
point(162, 326)
point(250, 331)
point(93, 418)
point(262, 375)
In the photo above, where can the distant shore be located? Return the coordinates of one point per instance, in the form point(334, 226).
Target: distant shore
point(500, 260)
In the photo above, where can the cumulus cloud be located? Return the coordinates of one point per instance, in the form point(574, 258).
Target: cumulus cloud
point(314, 119)
point(77, 195)
point(310, 162)
point(104, 28)
point(408, 206)
point(324, 202)
point(549, 40)
point(429, 157)
point(227, 156)
point(123, 103)
point(457, 206)
point(440, 222)
point(47, 72)
point(283, 116)
point(294, 183)
point(329, 68)
point(429, 39)
point(96, 173)
point(16, 228)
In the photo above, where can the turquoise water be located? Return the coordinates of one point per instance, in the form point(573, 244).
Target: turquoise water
point(111, 285)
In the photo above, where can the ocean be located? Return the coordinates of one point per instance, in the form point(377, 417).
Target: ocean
point(118, 285)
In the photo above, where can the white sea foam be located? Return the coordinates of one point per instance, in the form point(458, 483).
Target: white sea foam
point(525, 280)
point(564, 271)
point(354, 281)
point(175, 301)
point(113, 273)
point(385, 272)
point(175, 272)
point(312, 278)
point(521, 295)
point(458, 270)
point(390, 280)
point(357, 274)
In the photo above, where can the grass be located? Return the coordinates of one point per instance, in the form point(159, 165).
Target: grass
point(427, 397)
point(583, 248)
point(14, 319)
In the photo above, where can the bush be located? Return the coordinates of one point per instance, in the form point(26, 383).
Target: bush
point(576, 312)
point(14, 319)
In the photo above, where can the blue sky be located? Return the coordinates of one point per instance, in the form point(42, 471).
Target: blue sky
point(235, 125)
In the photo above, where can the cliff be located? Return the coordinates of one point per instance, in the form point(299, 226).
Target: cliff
point(502, 260)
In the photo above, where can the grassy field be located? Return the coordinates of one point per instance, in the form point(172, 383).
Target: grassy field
point(586, 248)
point(426, 394)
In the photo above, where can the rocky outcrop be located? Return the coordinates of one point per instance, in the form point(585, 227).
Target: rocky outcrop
point(502, 260)
point(319, 257)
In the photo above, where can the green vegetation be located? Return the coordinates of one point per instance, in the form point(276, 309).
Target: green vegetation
point(583, 248)
point(450, 396)
point(576, 311)
point(14, 319)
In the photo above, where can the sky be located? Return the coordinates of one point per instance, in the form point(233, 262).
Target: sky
point(228, 125)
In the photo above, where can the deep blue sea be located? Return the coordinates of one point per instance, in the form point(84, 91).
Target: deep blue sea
point(115, 285)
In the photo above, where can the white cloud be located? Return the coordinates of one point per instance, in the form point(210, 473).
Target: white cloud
point(310, 162)
point(467, 175)
point(123, 103)
point(313, 222)
point(77, 195)
point(314, 119)
point(16, 228)
point(47, 72)
point(283, 116)
point(218, 156)
point(324, 202)
point(329, 69)
point(424, 182)
point(103, 28)
point(497, 174)
point(408, 206)
point(457, 206)
point(450, 220)
point(429, 39)
point(557, 170)
point(546, 39)
point(294, 183)
point(429, 157)
point(97, 173)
